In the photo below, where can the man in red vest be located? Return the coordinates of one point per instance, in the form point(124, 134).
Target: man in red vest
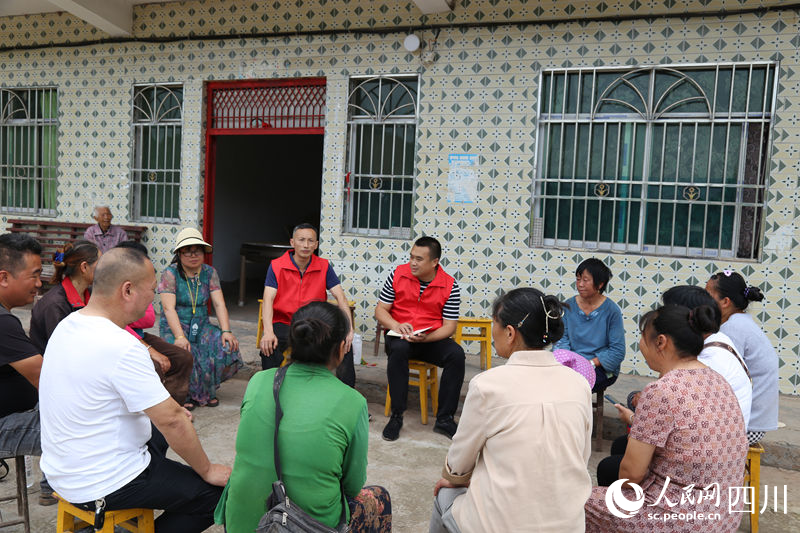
point(293, 280)
point(418, 306)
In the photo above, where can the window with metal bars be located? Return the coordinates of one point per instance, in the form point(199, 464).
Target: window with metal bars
point(665, 160)
point(382, 148)
point(28, 150)
point(156, 167)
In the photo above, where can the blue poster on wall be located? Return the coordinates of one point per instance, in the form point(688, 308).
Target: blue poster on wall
point(462, 178)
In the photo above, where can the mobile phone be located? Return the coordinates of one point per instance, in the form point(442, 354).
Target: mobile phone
point(610, 398)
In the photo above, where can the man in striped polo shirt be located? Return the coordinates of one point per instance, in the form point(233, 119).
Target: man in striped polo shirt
point(418, 306)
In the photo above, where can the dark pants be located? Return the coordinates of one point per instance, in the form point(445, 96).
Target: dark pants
point(446, 354)
point(346, 371)
point(608, 468)
point(601, 380)
point(176, 379)
point(188, 501)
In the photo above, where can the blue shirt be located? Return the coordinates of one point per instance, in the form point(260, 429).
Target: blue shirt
point(331, 279)
point(599, 334)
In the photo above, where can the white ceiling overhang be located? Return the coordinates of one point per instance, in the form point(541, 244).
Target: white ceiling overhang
point(114, 17)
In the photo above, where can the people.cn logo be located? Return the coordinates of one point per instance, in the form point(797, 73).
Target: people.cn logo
point(618, 504)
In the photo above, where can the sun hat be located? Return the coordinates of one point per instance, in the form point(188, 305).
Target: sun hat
point(189, 237)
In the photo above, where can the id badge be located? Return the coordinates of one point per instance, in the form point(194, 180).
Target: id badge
point(194, 329)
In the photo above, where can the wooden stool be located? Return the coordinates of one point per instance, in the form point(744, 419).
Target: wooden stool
point(426, 378)
point(71, 518)
point(484, 336)
point(597, 411)
point(752, 478)
point(21, 496)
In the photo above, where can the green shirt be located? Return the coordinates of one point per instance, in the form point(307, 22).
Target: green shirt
point(322, 440)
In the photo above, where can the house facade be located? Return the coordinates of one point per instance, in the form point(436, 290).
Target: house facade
point(527, 136)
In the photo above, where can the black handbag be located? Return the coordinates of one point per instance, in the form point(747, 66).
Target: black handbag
point(283, 515)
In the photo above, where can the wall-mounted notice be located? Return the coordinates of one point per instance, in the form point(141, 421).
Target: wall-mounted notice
point(462, 179)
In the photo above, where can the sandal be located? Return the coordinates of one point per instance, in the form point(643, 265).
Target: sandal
point(4, 466)
point(213, 402)
point(189, 405)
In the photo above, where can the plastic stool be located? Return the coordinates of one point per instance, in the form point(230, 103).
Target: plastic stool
point(71, 518)
point(484, 337)
point(426, 378)
point(752, 477)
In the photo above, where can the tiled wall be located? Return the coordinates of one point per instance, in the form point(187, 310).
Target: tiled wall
point(478, 97)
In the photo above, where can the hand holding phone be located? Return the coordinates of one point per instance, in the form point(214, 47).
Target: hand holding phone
point(610, 399)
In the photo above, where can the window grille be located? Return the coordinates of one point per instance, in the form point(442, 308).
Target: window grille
point(379, 186)
point(665, 160)
point(28, 150)
point(156, 168)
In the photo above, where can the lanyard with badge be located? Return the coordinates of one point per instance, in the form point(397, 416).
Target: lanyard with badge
point(194, 322)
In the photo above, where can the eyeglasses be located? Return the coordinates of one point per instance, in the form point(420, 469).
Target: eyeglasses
point(195, 252)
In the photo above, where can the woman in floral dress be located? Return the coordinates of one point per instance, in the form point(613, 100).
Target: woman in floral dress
point(687, 444)
point(186, 287)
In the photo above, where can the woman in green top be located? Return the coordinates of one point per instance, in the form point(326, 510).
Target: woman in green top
point(322, 436)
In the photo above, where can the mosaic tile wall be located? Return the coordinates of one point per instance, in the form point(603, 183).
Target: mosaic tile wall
point(478, 97)
point(238, 17)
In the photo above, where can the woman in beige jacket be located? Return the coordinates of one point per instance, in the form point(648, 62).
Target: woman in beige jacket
point(518, 461)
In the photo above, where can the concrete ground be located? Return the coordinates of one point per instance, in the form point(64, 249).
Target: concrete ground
point(409, 467)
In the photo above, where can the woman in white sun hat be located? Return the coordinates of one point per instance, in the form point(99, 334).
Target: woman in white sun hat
point(186, 287)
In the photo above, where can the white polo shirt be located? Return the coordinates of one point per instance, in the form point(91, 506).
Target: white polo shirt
point(96, 380)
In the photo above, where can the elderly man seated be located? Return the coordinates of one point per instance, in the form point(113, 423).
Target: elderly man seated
point(103, 234)
point(99, 395)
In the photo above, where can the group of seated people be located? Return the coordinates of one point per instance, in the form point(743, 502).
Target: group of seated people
point(519, 452)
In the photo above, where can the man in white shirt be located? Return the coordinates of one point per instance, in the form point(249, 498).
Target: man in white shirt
point(99, 396)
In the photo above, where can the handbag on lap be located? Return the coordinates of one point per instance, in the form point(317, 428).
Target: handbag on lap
point(283, 515)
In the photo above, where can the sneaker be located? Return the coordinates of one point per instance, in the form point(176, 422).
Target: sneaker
point(47, 498)
point(392, 429)
point(445, 426)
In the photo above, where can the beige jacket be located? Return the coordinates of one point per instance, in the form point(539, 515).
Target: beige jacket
point(523, 444)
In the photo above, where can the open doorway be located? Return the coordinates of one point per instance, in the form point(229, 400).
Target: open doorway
point(265, 185)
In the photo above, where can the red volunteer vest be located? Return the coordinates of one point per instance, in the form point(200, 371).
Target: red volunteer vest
point(295, 291)
point(420, 311)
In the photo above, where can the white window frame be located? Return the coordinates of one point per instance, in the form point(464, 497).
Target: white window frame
point(22, 116)
point(404, 116)
point(143, 179)
point(644, 117)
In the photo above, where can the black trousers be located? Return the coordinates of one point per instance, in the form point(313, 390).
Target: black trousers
point(346, 371)
point(608, 468)
point(446, 354)
point(188, 501)
point(602, 381)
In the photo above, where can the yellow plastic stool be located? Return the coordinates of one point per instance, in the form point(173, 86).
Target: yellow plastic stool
point(426, 378)
point(752, 477)
point(71, 518)
point(484, 337)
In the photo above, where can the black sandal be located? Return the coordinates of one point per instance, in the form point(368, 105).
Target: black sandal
point(4, 464)
point(189, 405)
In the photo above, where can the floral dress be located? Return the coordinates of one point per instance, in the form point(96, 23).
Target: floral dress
point(212, 364)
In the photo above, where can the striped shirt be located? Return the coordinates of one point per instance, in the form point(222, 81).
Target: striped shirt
point(451, 307)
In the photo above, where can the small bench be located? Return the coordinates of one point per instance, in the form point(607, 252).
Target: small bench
point(52, 234)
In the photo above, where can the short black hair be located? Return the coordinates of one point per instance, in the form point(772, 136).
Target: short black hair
point(692, 296)
point(305, 225)
point(599, 271)
point(13, 249)
point(732, 285)
point(537, 317)
point(316, 331)
point(134, 245)
point(433, 246)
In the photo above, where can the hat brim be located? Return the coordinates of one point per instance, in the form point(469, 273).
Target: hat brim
point(192, 241)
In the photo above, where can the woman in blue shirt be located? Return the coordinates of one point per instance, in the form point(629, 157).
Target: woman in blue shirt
point(593, 323)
